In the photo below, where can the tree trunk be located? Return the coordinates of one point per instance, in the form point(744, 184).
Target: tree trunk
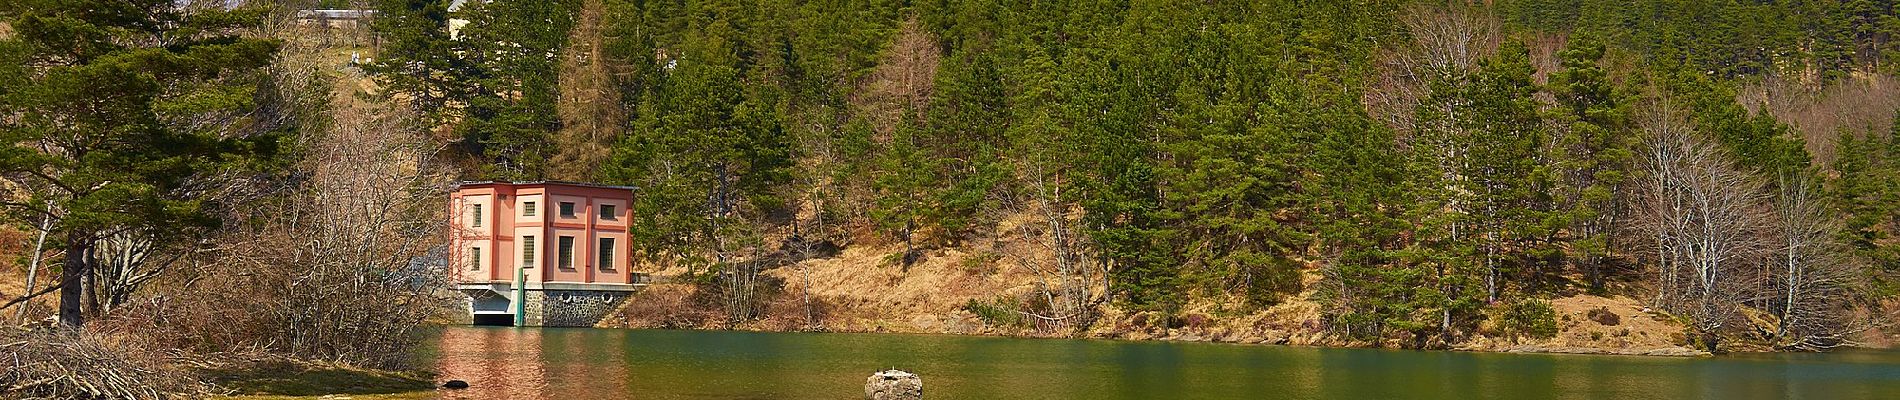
point(33, 267)
point(72, 280)
point(910, 249)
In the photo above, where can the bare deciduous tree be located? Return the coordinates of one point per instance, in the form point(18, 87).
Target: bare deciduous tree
point(1071, 279)
point(1658, 205)
point(1811, 274)
point(591, 117)
point(344, 266)
point(1445, 42)
point(903, 81)
point(1708, 218)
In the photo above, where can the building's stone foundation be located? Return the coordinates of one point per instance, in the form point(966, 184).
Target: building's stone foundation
point(571, 307)
point(554, 304)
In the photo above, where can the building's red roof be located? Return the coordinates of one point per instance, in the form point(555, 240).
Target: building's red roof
point(459, 185)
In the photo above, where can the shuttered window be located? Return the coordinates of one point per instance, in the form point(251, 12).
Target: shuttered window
point(606, 254)
point(527, 252)
point(527, 209)
point(567, 252)
point(478, 216)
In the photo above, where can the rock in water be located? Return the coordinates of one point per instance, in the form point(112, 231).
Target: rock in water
point(455, 384)
point(894, 385)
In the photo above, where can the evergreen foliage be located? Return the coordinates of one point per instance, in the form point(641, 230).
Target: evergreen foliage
point(121, 115)
point(1211, 152)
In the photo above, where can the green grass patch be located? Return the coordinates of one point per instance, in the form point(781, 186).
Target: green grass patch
point(290, 380)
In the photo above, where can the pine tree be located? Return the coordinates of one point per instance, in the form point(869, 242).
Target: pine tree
point(904, 185)
point(709, 157)
point(967, 124)
point(1867, 192)
point(1356, 196)
point(1594, 148)
point(496, 81)
point(116, 109)
point(1505, 176)
point(419, 59)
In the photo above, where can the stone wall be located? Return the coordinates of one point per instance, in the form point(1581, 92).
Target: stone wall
point(571, 307)
point(532, 308)
point(542, 307)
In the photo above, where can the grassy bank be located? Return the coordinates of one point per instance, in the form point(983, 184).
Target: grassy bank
point(281, 379)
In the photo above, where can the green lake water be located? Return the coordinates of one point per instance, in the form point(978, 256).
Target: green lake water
point(564, 364)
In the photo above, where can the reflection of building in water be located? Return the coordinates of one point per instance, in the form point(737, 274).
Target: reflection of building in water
point(472, 355)
point(530, 364)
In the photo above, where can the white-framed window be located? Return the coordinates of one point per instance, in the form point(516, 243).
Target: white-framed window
point(566, 259)
point(527, 209)
point(567, 209)
point(606, 254)
point(477, 210)
point(475, 258)
point(527, 252)
point(607, 212)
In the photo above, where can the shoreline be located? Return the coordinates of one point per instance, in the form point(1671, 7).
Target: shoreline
point(1584, 324)
point(1668, 352)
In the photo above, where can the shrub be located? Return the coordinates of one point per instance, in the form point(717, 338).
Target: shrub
point(982, 263)
point(738, 288)
point(1602, 315)
point(1195, 320)
point(1529, 317)
point(998, 312)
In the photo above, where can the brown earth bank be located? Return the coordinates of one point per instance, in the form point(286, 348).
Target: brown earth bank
point(862, 290)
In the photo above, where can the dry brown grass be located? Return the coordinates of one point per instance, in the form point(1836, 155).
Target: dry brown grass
point(90, 364)
point(1293, 321)
point(1636, 327)
point(857, 291)
point(1636, 330)
point(878, 292)
point(12, 274)
point(664, 306)
point(14, 244)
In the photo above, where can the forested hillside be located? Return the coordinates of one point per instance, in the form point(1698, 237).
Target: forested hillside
point(193, 186)
point(1437, 165)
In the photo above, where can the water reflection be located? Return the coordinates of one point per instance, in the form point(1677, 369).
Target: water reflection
point(526, 363)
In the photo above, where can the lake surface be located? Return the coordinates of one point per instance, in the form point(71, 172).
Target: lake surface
point(571, 363)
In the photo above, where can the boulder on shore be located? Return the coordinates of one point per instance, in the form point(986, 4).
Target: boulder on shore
point(894, 385)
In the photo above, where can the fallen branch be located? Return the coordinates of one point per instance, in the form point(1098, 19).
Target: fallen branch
point(23, 299)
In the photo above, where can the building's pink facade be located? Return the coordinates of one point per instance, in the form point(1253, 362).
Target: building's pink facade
point(497, 227)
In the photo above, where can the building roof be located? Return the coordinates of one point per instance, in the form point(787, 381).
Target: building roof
point(460, 184)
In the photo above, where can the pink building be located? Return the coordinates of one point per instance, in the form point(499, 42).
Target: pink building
point(561, 241)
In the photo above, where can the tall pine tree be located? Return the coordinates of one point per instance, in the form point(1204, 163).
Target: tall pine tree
point(115, 109)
